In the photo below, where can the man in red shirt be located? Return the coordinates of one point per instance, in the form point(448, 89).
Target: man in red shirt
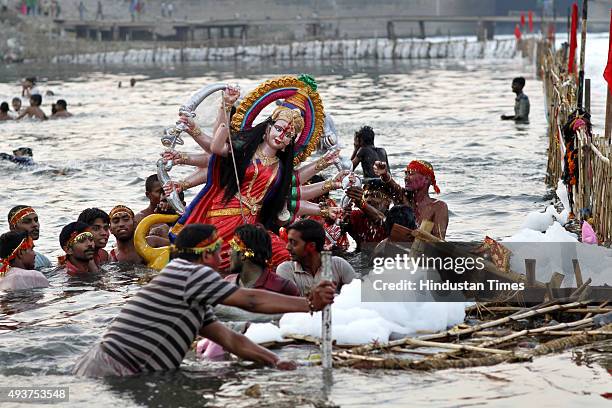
point(251, 253)
point(78, 243)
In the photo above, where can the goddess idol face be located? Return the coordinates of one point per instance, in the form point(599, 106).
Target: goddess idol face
point(279, 134)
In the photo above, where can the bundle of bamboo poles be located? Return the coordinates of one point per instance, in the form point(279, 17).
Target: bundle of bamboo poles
point(490, 342)
point(593, 190)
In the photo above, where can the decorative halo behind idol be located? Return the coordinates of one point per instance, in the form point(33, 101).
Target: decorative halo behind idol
point(297, 94)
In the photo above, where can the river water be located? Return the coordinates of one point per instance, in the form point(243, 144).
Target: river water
point(491, 174)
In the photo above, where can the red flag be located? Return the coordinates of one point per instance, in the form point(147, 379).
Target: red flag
point(530, 19)
point(517, 32)
point(608, 71)
point(522, 19)
point(571, 68)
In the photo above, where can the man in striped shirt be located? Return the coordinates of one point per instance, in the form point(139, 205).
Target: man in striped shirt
point(156, 327)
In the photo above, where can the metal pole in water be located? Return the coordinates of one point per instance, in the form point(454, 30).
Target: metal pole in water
point(326, 324)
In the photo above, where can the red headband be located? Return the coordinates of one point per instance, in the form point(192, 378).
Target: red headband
point(18, 216)
point(5, 263)
point(426, 169)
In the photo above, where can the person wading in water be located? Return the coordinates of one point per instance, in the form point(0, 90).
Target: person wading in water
point(419, 176)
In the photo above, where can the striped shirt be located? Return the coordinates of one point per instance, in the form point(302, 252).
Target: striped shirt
point(156, 327)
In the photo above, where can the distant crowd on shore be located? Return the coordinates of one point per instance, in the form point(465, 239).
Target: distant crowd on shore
point(47, 8)
point(30, 91)
point(53, 9)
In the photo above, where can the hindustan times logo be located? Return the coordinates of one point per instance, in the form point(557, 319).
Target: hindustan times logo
point(407, 263)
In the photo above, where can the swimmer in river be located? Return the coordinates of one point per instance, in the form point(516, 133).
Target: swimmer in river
point(21, 156)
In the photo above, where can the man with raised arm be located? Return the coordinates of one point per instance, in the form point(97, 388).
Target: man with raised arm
point(419, 176)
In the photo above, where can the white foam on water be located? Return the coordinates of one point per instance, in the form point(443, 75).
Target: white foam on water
point(558, 247)
point(357, 322)
point(263, 333)
point(538, 221)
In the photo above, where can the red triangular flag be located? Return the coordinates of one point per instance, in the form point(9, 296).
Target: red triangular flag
point(608, 71)
point(522, 19)
point(517, 32)
point(530, 19)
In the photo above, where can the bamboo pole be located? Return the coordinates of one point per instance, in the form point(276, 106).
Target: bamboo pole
point(578, 332)
point(577, 272)
point(585, 6)
point(458, 333)
point(530, 269)
point(527, 332)
point(577, 310)
point(580, 289)
point(564, 343)
point(326, 323)
point(608, 130)
point(452, 346)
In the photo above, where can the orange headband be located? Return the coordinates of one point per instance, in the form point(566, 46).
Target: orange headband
point(5, 263)
point(118, 209)
point(425, 168)
point(18, 216)
point(74, 237)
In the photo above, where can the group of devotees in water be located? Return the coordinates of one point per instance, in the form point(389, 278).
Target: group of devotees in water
point(33, 94)
point(251, 238)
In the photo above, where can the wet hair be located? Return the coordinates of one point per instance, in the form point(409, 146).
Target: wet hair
point(401, 215)
point(366, 135)
point(25, 151)
point(14, 211)
point(4, 107)
point(62, 103)
point(189, 237)
point(310, 231)
point(16, 99)
point(520, 81)
point(245, 143)
point(150, 181)
point(9, 241)
point(256, 238)
point(76, 226)
point(37, 99)
point(90, 215)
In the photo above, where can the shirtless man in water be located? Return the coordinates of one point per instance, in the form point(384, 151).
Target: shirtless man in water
point(33, 111)
point(415, 193)
point(122, 226)
point(61, 110)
